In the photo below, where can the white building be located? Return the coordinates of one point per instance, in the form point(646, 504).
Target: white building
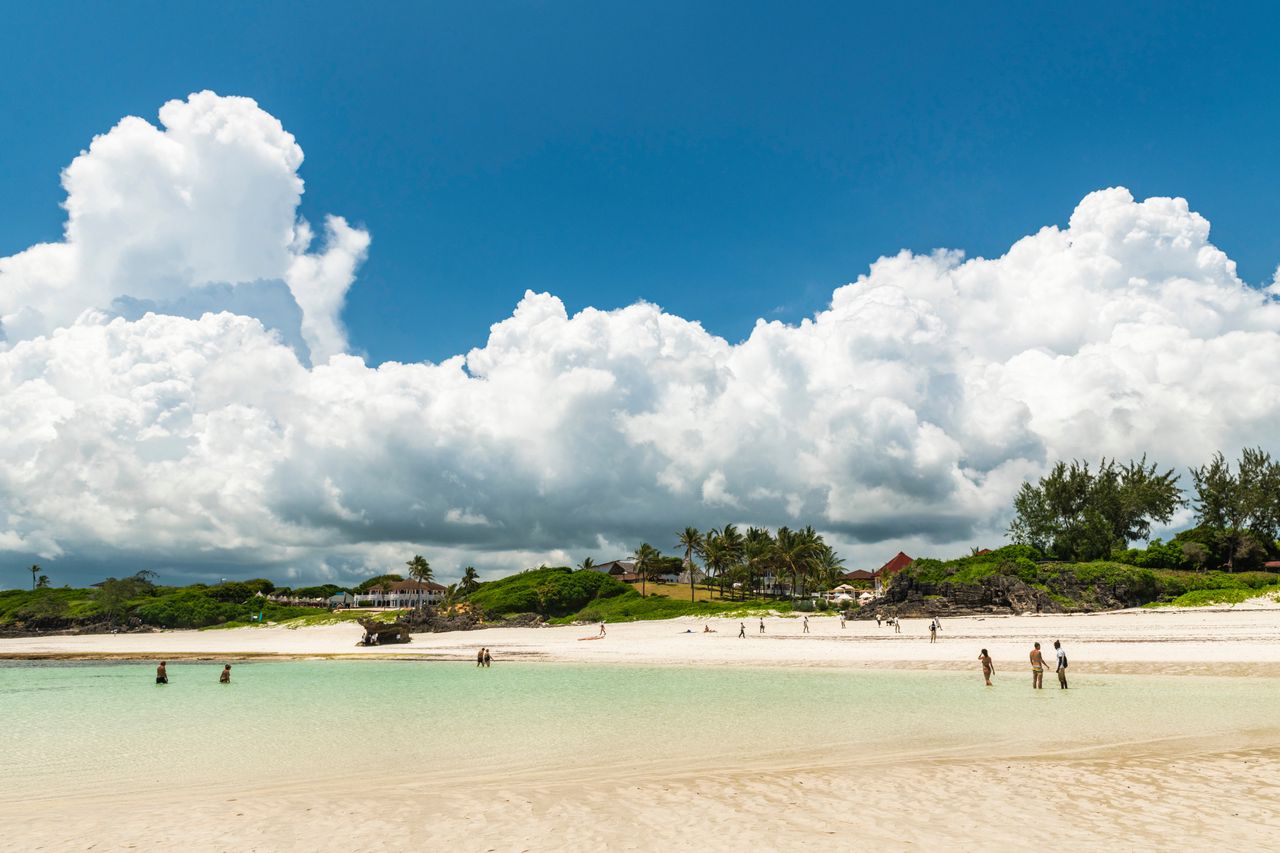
point(401, 594)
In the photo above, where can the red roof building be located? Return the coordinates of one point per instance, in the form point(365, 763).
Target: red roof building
point(897, 564)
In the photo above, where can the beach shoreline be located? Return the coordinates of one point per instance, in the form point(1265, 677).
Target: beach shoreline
point(1238, 642)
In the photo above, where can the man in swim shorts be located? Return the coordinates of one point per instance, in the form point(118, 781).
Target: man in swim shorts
point(1037, 669)
point(162, 675)
point(225, 678)
point(1062, 664)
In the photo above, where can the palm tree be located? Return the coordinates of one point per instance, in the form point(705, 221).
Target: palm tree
point(826, 565)
point(420, 570)
point(35, 570)
point(470, 580)
point(758, 551)
point(586, 563)
point(734, 551)
point(646, 554)
point(691, 541)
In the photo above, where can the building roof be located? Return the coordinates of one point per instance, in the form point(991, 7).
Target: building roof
point(614, 567)
point(414, 586)
point(897, 564)
point(857, 575)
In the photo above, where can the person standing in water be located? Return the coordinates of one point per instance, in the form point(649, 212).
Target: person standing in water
point(225, 678)
point(162, 674)
point(480, 657)
point(1062, 664)
point(488, 658)
point(987, 666)
point(1037, 669)
point(806, 624)
point(742, 630)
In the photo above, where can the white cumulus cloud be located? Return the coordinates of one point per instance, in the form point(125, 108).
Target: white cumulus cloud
point(904, 415)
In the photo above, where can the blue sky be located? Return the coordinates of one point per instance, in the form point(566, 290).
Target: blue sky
point(176, 386)
point(725, 160)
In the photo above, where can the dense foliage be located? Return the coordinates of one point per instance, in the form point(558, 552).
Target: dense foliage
point(548, 592)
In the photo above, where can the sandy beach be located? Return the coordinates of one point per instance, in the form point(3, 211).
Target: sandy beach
point(1209, 641)
point(1189, 790)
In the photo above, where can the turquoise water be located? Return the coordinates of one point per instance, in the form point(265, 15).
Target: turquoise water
point(76, 727)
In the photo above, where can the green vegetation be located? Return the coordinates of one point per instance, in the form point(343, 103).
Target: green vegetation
point(631, 606)
point(549, 592)
point(1206, 597)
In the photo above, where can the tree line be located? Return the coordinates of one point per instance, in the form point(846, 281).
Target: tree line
point(1080, 513)
point(734, 560)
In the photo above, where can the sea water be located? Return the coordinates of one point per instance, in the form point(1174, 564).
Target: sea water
point(73, 728)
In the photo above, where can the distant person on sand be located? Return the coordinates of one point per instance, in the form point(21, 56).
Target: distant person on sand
point(225, 678)
point(806, 624)
point(742, 630)
point(1037, 669)
point(987, 666)
point(842, 620)
point(933, 631)
point(1062, 664)
point(897, 624)
point(707, 629)
point(162, 674)
point(488, 658)
point(601, 627)
point(877, 618)
point(761, 626)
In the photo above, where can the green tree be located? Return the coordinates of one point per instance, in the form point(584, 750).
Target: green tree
point(1074, 513)
point(35, 570)
point(419, 569)
point(42, 582)
point(587, 563)
point(1242, 506)
point(470, 580)
point(690, 540)
point(646, 558)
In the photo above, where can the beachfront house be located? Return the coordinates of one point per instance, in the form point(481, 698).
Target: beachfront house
point(401, 594)
point(341, 599)
point(886, 572)
point(617, 568)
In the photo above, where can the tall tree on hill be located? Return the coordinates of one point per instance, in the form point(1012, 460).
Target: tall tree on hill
point(691, 541)
point(35, 570)
point(470, 580)
point(1241, 507)
point(646, 556)
point(1074, 513)
point(587, 563)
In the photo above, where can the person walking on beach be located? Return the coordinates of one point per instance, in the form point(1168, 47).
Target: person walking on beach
point(933, 630)
point(987, 666)
point(897, 624)
point(480, 658)
point(162, 674)
point(877, 618)
point(1037, 669)
point(762, 626)
point(225, 678)
point(1062, 664)
point(806, 624)
point(488, 658)
point(742, 630)
point(601, 627)
point(841, 620)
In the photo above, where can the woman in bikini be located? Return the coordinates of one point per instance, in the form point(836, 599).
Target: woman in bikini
point(987, 666)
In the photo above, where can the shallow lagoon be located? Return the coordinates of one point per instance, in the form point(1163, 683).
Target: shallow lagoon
point(77, 728)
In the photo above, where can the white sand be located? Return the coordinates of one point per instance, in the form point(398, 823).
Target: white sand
point(1195, 796)
point(1209, 641)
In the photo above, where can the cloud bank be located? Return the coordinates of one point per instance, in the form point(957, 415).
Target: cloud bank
point(152, 412)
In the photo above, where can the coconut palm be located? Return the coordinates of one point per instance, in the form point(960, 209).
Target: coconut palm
point(757, 554)
point(470, 580)
point(691, 541)
point(646, 556)
point(420, 570)
point(586, 563)
point(35, 570)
